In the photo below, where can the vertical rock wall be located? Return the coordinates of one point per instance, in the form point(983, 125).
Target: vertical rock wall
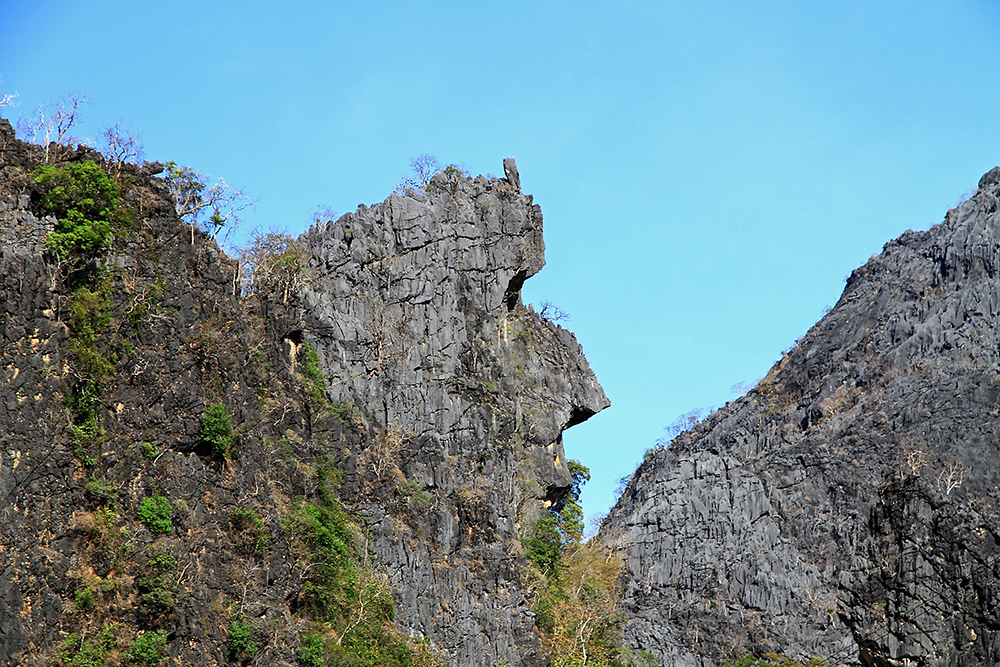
point(415, 310)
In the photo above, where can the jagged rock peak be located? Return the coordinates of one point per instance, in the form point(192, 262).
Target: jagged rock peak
point(440, 435)
point(782, 522)
point(416, 313)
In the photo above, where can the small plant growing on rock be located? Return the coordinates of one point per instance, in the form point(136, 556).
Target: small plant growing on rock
point(315, 380)
point(157, 513)
point(158, 589)
point(147, 650)
point(101, 490)
point(240, 639)
point(217, 431)
point(83, 650)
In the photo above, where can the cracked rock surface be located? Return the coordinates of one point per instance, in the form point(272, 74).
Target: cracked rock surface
point(847, 507)
point(450, 401)
point(416, 314)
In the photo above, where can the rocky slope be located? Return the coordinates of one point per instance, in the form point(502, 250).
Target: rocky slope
point(442, 403)
point(847, 507)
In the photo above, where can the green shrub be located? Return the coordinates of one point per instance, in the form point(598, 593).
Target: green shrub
point(147, 650)
point(217, 430)
point(315, 380)
point(101, 490)
point(83, 598)
point(85, 202)
point(342, 414)
point(240, 639)
point(80, 650)
point(773, 660)
point(351, 606)
point(157, 590)
point(157, 513)
point(93, 364)
point(310, 649)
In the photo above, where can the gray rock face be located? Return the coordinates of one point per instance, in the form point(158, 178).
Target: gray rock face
point(455, 397)
point(782, 522)
point(510, 171)
point(416, 314)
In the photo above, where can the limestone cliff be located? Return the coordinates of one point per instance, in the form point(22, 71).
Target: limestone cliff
point(847, 507)
point(445, 400)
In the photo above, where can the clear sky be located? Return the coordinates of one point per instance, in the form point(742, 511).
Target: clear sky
point(709, 172)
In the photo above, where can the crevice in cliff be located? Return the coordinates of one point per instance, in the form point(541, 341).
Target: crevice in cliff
point(512, 295)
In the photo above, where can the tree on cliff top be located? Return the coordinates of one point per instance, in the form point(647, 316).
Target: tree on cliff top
point(193, 197)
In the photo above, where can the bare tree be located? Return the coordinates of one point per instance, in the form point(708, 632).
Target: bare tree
point(7, 100)
point(274, 263)
point(323, 214)
point(193, 196)
point(423, 169)
point(120, 146)
point(553, 313)
point(951, 476)
point(52, 122)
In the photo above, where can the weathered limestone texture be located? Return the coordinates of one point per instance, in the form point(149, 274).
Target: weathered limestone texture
point(451, 398)
point(847, 507)
point(417, 317)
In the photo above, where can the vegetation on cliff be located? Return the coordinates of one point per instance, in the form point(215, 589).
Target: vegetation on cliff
point(575, 587)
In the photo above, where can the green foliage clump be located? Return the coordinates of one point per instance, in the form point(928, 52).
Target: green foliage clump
point(85, 597)
point(323, 530)
point(217, 430)
point(562, 527)
point(157, 590)
point(93, 363)
point(543, 547)
point(79, 650)
point(240, 639)
point(85, 202)
point(343, 414)
point(101, 490)
point(350, 605)
point(315, 380)
point(157, 513)
point(147, 650)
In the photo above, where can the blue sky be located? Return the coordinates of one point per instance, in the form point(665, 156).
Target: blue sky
point(709, 172)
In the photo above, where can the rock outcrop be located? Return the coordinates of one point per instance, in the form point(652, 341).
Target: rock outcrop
point(847, 507)
point(448, 395)
point(416, 313)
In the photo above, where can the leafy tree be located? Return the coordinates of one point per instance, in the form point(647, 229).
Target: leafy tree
point(193, 197)
point(575, 585)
